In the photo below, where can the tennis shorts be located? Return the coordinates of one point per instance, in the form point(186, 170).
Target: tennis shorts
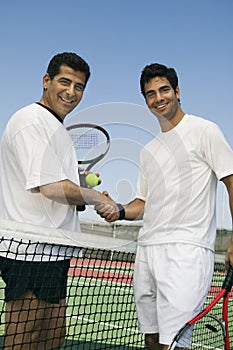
point(171, 282)
point(47, 280)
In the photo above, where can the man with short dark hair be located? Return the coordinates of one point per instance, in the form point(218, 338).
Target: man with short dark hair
point(175, 196)
point(39, 184)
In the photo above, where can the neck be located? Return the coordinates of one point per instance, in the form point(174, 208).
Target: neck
point(168, 124)
point(51, 111)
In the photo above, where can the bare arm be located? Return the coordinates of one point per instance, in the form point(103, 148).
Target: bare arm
point(228, 181)
point(67, 192)
point(135, 209)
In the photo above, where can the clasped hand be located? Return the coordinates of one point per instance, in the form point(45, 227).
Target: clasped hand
point(108, 209)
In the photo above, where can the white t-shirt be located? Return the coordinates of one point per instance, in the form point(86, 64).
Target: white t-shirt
point(177, 180)
point(36, 150)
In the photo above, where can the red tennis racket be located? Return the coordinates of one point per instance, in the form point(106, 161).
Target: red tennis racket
point(206, 330)
point(91, 143)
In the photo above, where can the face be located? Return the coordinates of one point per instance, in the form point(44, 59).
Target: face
point(161, 99)
point(64, 92)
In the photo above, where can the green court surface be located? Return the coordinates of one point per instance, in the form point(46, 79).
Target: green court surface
point(100, 315)
point(101, 311)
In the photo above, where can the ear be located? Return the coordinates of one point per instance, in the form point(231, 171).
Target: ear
point(46, 80)
point(177, 92)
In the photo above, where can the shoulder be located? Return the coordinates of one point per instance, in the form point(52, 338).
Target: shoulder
point(201, 125)
point(198, 121)
point(30, 112)
point(24, 116)
point(32, 116)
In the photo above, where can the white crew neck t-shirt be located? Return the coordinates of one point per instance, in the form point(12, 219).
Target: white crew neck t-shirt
point(36, 150)
point(177, 180)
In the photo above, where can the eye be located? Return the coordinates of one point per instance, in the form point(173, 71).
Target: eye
point(64, 82)
point(166, 88)
point(150, 94)
point(79, 87)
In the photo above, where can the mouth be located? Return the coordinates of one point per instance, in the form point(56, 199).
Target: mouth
point(161, 107)
point(67, 101)
point(160, 110)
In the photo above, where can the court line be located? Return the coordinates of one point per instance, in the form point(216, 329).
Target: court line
point(110, 325)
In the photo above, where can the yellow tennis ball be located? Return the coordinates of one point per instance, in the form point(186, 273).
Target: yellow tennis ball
point(92, 180)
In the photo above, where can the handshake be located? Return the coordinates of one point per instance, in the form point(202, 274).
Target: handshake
point(109, 210)
point(104, 205)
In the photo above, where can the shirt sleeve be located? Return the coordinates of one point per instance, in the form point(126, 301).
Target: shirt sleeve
point(36, 156)
point(216, 151)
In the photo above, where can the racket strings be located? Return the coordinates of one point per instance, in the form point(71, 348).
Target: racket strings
point(85, 141)
point(207, 333)
point(89, 143)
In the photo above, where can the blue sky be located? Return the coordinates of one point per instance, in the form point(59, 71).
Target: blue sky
point(117, 39)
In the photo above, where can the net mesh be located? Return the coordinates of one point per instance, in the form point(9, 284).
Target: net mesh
point(100, 310)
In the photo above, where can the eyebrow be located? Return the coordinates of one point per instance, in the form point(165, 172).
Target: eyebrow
point(161, 88)
point(148, 92)
point(70, 81)
point(66, 79)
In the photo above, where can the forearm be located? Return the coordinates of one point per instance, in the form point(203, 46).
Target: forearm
point(67, 192)
point(228, 181)
point(230, 192)
point(134, 210)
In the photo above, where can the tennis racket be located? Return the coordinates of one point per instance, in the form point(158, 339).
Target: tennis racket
point(206, 330)
point(91, 143)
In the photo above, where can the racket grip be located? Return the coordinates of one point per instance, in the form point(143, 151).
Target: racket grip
point(82, 180)
point(227, 284)
point(80, 207)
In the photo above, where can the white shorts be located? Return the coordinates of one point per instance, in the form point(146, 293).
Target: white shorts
point(171, 282)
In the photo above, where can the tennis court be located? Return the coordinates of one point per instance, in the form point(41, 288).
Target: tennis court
point(100, 306)
point(101, 312)
point(108, 297)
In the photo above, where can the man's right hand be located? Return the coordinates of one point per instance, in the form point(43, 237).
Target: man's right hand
point(108, 209)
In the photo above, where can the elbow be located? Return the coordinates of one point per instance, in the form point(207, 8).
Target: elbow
point(47, 191)
point(228, 181)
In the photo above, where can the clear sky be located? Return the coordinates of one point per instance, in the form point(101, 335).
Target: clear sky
point(117, 39)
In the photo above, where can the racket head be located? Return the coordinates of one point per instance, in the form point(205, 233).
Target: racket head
point(208, 332)
point(91, 142)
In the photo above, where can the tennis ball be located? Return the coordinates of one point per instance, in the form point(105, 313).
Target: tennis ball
point(92, 180)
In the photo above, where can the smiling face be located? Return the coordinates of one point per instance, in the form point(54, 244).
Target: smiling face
point(64, 92)
point(163, 101)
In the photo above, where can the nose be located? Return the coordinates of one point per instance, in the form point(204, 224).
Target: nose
point(159, 96)
point(70, 90)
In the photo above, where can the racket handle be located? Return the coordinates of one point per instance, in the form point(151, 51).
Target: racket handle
point(82, 180)
point(80, 207)
point(227, 284)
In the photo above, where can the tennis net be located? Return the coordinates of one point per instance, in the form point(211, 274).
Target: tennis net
point(100, 311)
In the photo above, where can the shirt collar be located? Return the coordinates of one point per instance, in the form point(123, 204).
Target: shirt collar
point(51, 111)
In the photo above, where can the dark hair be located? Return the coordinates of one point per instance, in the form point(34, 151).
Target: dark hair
point(71, 60)
point(158, 70)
